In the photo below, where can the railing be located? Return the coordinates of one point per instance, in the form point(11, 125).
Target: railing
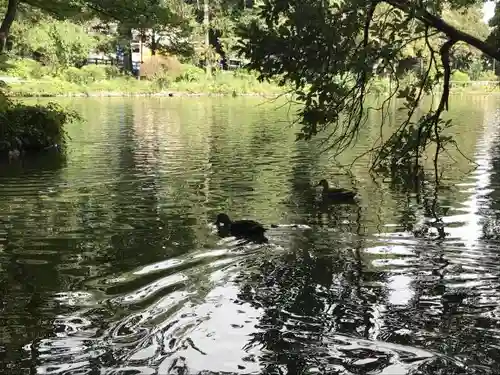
point(475, 83)
point(136, 65)
point(102, 61)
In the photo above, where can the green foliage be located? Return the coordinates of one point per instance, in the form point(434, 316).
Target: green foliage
point(45, 88)
point(460, 76)
point(333, 55)
point(95, 72)
point(74, 75)
point(163, 82)
point(112, 72)
point(224, 83)
point(494, 23)
point(28, 127)
point(23, 68)
point(488, 76)
point(190, 73)
point(475, 69)
point(85, 75)
point(57, 43)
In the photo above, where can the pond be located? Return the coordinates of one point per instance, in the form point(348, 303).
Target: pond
point(109, 265)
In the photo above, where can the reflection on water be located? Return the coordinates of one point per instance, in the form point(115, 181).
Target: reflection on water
point(108, 262)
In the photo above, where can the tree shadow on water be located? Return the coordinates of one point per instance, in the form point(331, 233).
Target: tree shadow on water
point(308, 297)
point(420, 195)
point(33, 163)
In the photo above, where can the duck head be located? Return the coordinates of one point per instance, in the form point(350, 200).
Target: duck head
point(222, 220)
point(323, 183)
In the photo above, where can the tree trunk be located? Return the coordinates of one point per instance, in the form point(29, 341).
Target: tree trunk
point(206, 24)
point(153, 42)
point(9, 18)
point(126, 36)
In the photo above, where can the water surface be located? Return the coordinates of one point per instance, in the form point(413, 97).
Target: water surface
point(108, 264)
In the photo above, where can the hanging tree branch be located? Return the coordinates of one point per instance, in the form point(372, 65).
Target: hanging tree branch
point(331, 62)
point(441, 25)
point(445, 59)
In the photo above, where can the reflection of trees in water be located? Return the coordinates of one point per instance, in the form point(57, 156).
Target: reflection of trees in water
point(27, 275)
point(249, 160)
point(313, 290)
point(136, 204)
point(422, 203)
point(438, 308)
point(308, 295)
point(492, 211)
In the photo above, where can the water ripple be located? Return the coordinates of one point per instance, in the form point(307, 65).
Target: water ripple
point(109, 263)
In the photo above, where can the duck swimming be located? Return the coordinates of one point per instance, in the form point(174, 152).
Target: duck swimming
point(248, 229)
point(335, 193)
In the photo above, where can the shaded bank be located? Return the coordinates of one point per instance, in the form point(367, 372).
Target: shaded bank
point(31, 128)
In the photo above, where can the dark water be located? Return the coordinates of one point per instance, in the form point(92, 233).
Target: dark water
point(108, 264)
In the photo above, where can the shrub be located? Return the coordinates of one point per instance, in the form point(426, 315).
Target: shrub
point(243, 73)
point(23, 68)
point(163, 82)
point(159, 65)
point(190, 73)
point(488, 76)
point(112, 71)
point(74, 75)
point(94, 73)
point(32, 127)
point(457, 75)
point(85, 75)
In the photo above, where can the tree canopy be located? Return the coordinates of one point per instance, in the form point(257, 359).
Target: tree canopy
point(331, 51)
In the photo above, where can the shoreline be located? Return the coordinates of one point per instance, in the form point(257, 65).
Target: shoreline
point(186, 94)
point(170, 94)
point(474, 90)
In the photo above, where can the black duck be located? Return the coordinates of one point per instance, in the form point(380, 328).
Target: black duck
point(248, 229)
point(336, 194)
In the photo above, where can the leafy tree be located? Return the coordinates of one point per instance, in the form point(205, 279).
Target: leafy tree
point(469, 20)
point(60, 9)
point(162, 16)
point(331, 53)
point(225, 17)
point(55, 43)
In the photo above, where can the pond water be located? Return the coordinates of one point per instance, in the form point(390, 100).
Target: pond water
point(109, 265)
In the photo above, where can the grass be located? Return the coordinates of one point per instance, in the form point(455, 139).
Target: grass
point(223, 84)
point(176, 79)
point(94, 80)
point(485, 85)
